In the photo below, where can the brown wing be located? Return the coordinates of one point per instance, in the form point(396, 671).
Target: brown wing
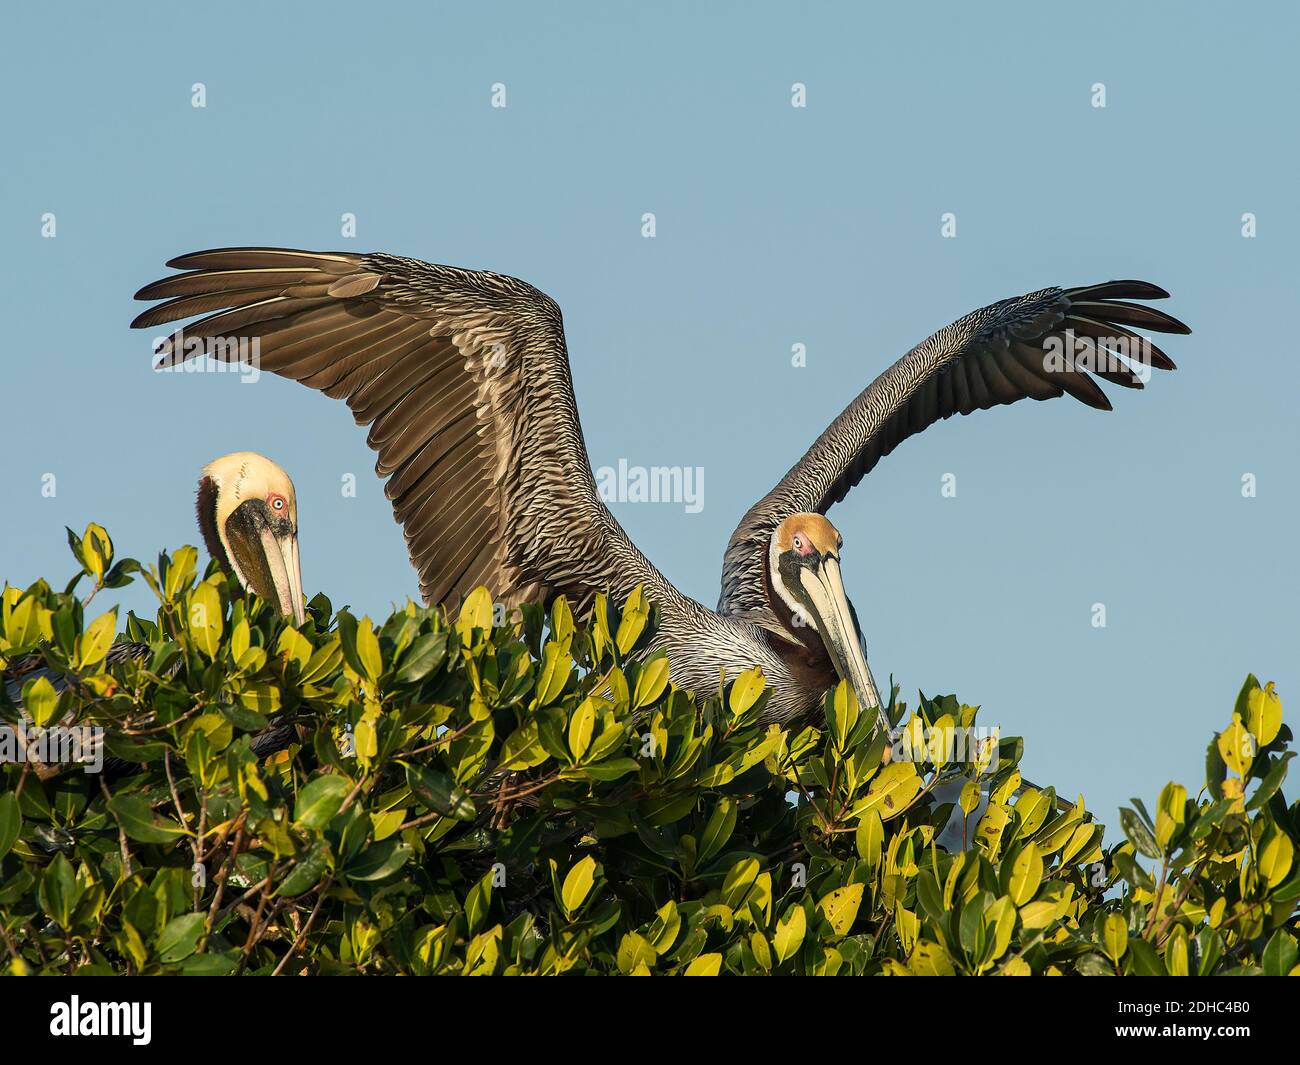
point(1039, 346)
point(463, 378)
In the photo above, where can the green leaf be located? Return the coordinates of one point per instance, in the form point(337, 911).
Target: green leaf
point(721, 824)
point(320, 800)
point(842, 714)
point(379, 860)
point(59, 892)
point(11, 821)
point(306, 872)
point(423, 656)
point(180, 938)
point(478, 901)
point(440, 793)
point(1143, 959)
point(1279, 956)
point(610, 769)
point(1272, 781)
point(139, 821)
point(1093, 964)
point(523, 749)
point(1138, 833)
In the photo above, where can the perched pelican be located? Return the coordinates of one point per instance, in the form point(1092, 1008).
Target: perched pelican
point(248, 516)
point(463, 378)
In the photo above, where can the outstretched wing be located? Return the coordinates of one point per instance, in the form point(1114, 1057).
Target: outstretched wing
point(1039, 346)
point(463, 378)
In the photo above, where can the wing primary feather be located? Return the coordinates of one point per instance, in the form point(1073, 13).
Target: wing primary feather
point(1131, 314)
point(1123, 290)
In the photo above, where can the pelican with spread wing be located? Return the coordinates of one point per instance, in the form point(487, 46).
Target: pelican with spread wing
point(463, 378)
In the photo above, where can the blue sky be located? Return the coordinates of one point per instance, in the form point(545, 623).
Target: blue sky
point(776, 226)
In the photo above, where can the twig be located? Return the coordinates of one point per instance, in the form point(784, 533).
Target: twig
point(121, 832)
point(223, 875)
point(306, 929)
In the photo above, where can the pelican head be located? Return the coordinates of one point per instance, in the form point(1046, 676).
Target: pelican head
point(804, 563)
point(248, 513)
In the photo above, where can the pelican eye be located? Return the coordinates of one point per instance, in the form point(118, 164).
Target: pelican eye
point(797, 543)
point(277, 502)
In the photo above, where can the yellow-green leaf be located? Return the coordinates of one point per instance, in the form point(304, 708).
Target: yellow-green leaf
point(292, 645)
point(651, 682)
point(368, 650)
point(97, 550)
point(1264, 714)
point(577, 885)
point(475, 614)
point(581, 726)
point(557, 666)
point(746, 690)
point(40, 699)
point(93, 644)
point(929, 959)
point(870, 838)
point(890, 791)
point(1237, 747)
point(840, 907)
point(205, 621)
point(1026, 875)
point(636, 612)
point(790, 933)
point(705, 965)
point(1114, 936)
point(1276, 856)
point(635, 951)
